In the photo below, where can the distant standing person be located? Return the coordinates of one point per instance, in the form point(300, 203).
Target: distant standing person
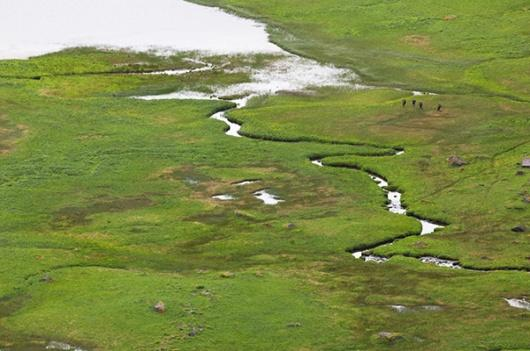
point(421, 105)
point(403, 103)
point(414, 103)
point(439, 108)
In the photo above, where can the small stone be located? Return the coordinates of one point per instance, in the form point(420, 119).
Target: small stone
point(160, 307)
point(389, 336)
point(449, 18)
point(294, 325)
point(46, 278)
point(432, 307)
point(456, 161)
point(206, 293)
point(195, 331)
point(227, 275)
point(399, 308)
point(61, 346)
point(519, 229)
point(291, 226)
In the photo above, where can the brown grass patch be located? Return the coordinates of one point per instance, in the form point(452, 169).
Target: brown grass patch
point(72, 216)
point(417, 40)
point(10, 135)
point(46, 92)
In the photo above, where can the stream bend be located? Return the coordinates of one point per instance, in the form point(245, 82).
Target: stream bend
point(394, 204)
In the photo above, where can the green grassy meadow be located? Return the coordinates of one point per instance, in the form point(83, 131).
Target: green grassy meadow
point(106, 202)
point(472, 46)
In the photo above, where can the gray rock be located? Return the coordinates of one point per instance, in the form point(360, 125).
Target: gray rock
point(194, 331)
point(390, 337)
point(160, 307)
point(61, 346)
point(46, 278)
point(456, 161)
point(519, 229)
point(399, 308)
point(227, 275)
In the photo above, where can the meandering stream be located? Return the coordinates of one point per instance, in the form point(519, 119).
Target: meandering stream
point(394, 197)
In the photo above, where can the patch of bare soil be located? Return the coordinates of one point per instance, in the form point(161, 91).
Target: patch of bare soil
point(72, 216)
point(10, 134)
point(450, 18)
point(417, 40)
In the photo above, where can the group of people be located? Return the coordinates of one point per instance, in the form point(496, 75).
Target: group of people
point(420, 104)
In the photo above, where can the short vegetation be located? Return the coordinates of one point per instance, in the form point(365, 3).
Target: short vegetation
point(111, 239)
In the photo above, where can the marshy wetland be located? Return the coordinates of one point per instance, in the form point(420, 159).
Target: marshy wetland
point(202, 198)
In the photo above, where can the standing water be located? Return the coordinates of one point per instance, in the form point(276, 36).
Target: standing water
point(31, 27)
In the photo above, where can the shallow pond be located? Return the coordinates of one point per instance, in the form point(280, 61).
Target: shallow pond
point(31, 28)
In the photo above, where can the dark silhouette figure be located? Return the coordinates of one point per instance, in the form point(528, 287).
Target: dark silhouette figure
point(403, 103)
point(414, 103)
point(439, 108)
point(421, 105)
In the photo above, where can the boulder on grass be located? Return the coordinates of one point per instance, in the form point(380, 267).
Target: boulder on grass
point(519, 229)
point(160, 307)
point(456, 161)
point(46, 278)
point(390, 337)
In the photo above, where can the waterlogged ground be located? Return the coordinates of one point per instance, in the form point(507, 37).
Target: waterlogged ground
point(163, 26)
point(111, 204)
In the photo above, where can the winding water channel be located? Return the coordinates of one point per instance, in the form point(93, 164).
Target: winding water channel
point(233, 130)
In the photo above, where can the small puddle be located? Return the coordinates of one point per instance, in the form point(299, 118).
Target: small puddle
point(317, 163)
point(267, 198)
point(422, 93)
point(178, 72)
point(363, 255)
point(246, 182)
point(61, 346)
point(380, 181)
point(519, 303)
point(394, 197)
point(399, 308)
point(374, 258)
point(179, 95)
point(429, 227)
point(440, 262)
point(403, 309)
point(224, 197)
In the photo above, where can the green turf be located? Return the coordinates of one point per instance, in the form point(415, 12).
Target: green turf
point(106, 202)
point(478, 46)
point(482, 201)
